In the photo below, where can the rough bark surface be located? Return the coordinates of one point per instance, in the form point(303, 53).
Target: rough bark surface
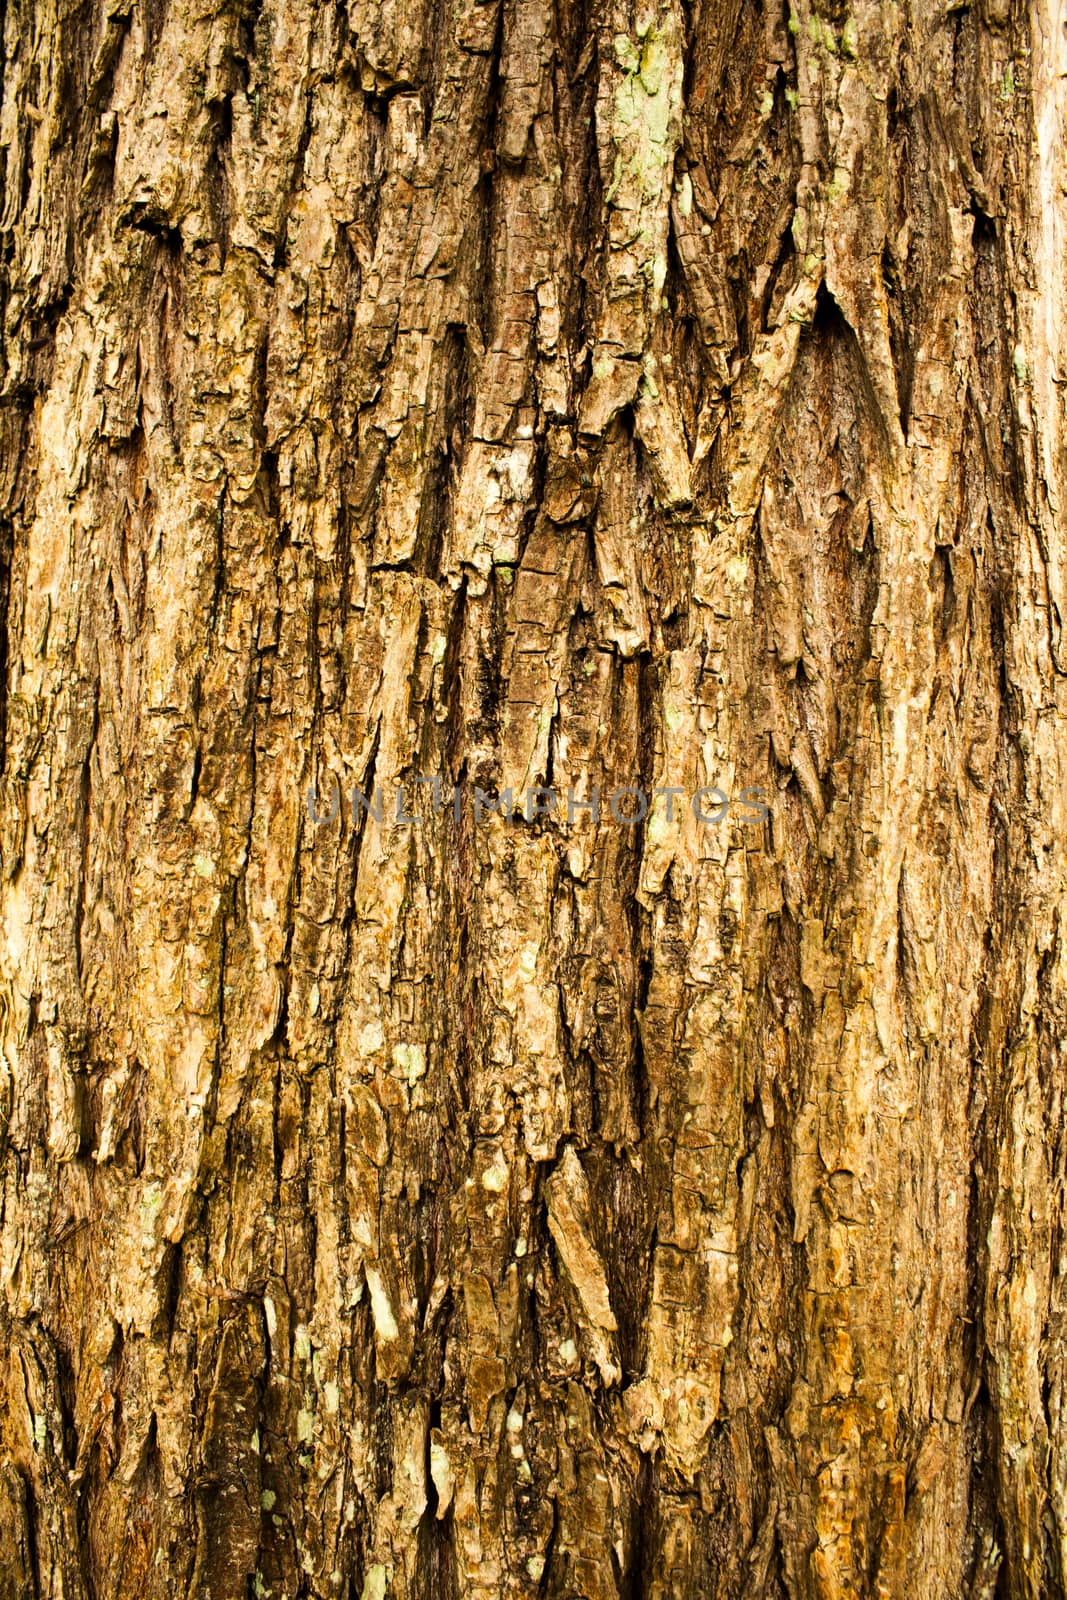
point(626, 392)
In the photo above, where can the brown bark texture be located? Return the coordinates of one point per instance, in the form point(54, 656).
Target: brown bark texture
point(618, 394)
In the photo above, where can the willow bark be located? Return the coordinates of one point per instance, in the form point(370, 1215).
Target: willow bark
point(628, 394)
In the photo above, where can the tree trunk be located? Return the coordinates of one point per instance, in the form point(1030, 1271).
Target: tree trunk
point(405, 1198)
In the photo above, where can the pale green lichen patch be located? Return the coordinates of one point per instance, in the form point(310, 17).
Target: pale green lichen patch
point(376, 1583)
point(151, 1205)
point(838, 185)
point(626, 53)
point(410, 1061)
point(645, 105)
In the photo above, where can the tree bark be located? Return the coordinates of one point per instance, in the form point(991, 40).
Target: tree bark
point(626, 395)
